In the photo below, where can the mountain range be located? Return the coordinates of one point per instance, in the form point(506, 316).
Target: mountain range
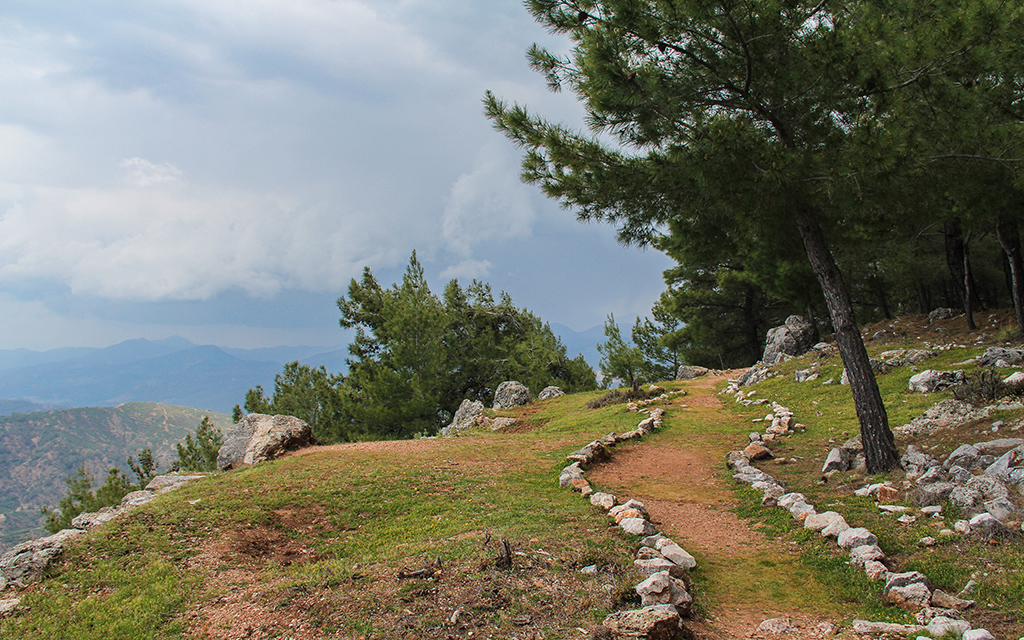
point(174, 371)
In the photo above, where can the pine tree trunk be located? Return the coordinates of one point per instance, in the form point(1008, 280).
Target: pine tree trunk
point(1009, 240)
point(879, 445)
point(956, 259)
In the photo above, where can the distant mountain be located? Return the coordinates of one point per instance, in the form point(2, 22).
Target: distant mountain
point(171, 371)
point(39, 450)
point(577, 342)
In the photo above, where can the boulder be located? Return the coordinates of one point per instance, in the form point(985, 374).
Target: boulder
point(657, 622)
point(258, 437)
point(860, 556)
point(569, 474)
point(689, 372)
point(942, 313)
point(603, 500)
point(985, 525)
point(550, 392)
point(947, 601)
point(592, 452)
point(794, 338)
point(26, 562)
point(915, 462)
point(464, 418)
point(1001, 357)
point(977, 634)
point(819, 521)
point(757, 451)
point(942, 626)
point(968, 500)
point(511, 393)
point(931, 380)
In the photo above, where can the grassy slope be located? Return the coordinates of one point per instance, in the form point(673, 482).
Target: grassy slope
point(311, 546)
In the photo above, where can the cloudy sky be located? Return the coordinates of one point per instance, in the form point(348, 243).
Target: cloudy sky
point(220, 169)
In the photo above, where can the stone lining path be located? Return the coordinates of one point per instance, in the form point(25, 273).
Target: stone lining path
point(680, 479)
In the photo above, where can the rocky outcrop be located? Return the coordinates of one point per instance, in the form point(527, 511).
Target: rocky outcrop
point(794, 338)
point(510, 394)
point(689, 372)
point(947, 413)
point(26, 562)
point(259, 437)
point(1002, 357)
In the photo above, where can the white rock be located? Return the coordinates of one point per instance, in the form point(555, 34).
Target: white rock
point(977, 634)
point(856, 537)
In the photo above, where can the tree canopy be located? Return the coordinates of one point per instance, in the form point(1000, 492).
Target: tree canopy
point(758, 125)
point(416, 356)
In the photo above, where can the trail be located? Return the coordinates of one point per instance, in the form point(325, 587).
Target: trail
point(679, 477)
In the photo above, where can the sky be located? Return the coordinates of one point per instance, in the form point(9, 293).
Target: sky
point(221, 169)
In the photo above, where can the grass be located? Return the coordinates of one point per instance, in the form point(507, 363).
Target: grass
point(318, 541)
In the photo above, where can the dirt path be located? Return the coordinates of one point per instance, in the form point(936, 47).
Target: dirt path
point(680, 481)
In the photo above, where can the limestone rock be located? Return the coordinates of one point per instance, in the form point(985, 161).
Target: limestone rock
point(550, 392)
point(592, 452)
point(637, 526)
point(511, 393)
point(930, 380)
point(88, 521)
point(856, 537)
point(794, 338)
point(26, 562)
point(688, 372)
point(1001, 356)
point(867, 628)
point(657, 622)
point(676, 554)
point(935, 493)
point(604, 500)
point(258, 437)
point(968, 500)
point(947, 601)
point(943, 626)
point(946, 413)
point(776, 626)
point(977, 634)
point(757, 451)
point(662, 588)
point(985, 525)
point(964, 456)
point(836, 461)
point(464, 418)
point(818, 521)
point(860, 556)
point(135, 498)
point(569, 474)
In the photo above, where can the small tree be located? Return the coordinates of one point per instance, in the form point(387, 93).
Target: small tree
point(199, 453)
point(145, 469)
point(620, 360)
point(82, 499)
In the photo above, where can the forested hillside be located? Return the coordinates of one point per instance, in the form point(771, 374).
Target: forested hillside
point(39, 450)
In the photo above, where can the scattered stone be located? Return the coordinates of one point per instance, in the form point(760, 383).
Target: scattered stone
point(856, 537)
point(676, 554)
point(968, 500)
point(946, 413)
point(836, 461)
point(1001, 357)
point(604, 500)
point(947, 601)
point(9, 605)
point(866, 628)
point(860, 556)
point(757, 451)
point(927, 541)
point(977, 634)
point(942, 313)
point(875, 570)
point(1000, 508)
point(986, 526)
point(570, 474)
point(887, 494)
point(662, 588)
point(776, 626)
point(637, 526)
point(943, 626)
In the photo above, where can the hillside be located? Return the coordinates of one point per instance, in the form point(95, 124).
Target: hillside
point(38, 450)
point(404, 539)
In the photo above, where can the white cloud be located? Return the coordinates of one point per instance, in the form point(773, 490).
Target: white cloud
point(487, 203)
point(143, 173)
point(467, 270)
